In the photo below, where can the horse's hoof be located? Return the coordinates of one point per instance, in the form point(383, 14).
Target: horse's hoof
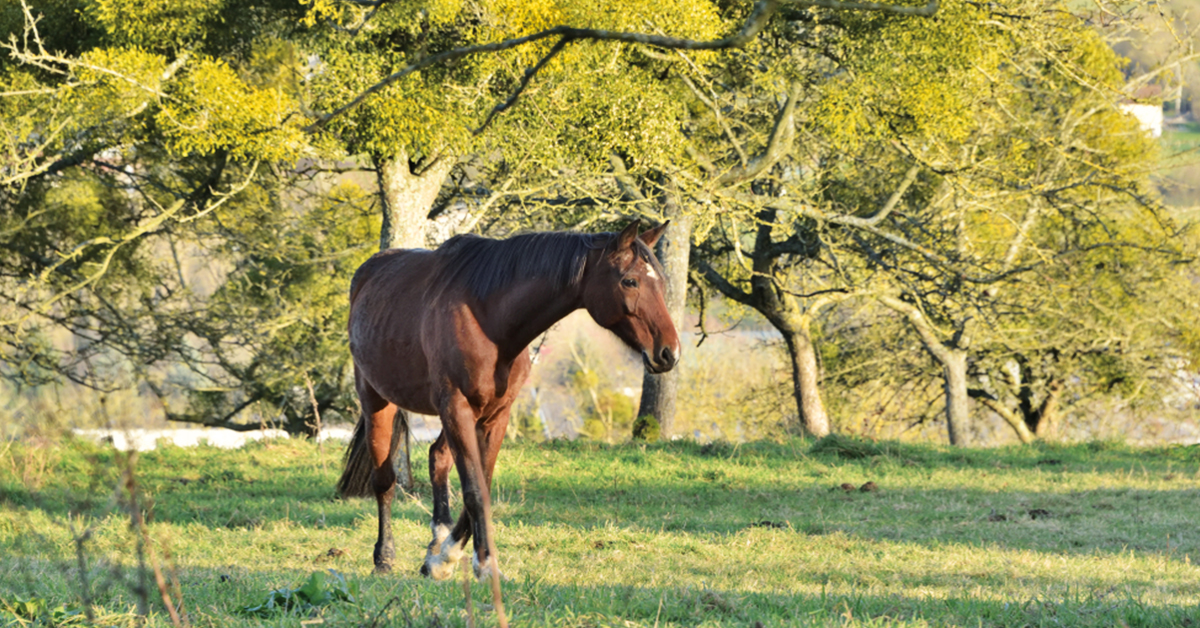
point(484, 573)
point(438, 568)
point(384, 555)
point(441, 566)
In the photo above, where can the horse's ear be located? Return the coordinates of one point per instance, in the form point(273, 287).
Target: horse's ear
point(650, 236)
point(624, 239)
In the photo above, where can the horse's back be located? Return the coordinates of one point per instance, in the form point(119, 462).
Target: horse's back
point(377, 263)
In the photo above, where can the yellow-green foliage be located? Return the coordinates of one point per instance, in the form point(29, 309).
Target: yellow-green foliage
point(284, 303)
point(422, 113)
point(134, 75)
point(921, 76)
point(154, 24)
point(696, 19)
point(609, 109)
point(589, 97)
point(212, 109)
point(84, 209)
point(116, 81)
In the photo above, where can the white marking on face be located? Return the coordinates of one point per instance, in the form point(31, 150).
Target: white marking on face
point(650, 272)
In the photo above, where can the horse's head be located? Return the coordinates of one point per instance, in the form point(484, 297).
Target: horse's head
point(624, 292)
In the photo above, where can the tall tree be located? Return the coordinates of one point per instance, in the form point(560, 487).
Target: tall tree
point(929, 182)
point(1042, 169)
point(154, 119)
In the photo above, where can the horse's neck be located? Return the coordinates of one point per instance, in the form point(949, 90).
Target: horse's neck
point(526, 310)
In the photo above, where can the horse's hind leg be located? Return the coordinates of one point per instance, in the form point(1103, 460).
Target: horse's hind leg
point(446, 549)
point(380, 415)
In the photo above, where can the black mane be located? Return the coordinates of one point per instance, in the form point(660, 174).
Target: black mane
point(485, 265)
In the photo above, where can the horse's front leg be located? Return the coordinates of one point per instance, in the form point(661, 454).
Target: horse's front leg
point(490, 435)
point(459, 424)
point(446, 549)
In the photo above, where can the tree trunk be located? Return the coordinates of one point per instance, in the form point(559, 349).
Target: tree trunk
point(954, 367)
point(406, 195)
point(1047, 423)
point(660, 391)
point(1017, 423)
point(805, 380)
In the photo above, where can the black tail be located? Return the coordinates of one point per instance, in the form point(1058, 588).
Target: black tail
point(356, 477)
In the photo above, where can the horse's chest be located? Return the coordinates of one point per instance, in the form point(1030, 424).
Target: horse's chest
point(473, 364)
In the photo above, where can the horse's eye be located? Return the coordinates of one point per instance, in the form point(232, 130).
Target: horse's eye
point(629, 282)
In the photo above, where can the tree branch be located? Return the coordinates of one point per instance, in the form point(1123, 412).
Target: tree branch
point(529, 74)
point(887, 208)
point(724, 286)
point(921, 324)
point(716, 111)
point(762, 13)
point(628, 186)
point(779, 145)
point(1009, 416)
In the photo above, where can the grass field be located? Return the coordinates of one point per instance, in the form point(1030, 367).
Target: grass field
point(1179, 174)
point(674, 534)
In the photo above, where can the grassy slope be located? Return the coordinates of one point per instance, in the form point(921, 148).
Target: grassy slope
point(676, 534)
point(1180, 173)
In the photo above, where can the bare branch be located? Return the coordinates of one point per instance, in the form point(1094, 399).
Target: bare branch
point(706, 164)
point(887, 208)
point(723, 285)
point(114, 245)
point(923, 327)
point(529, 74)
point(628, 186)
point(777, 147)
point(1014, 421)
point(924, 11)
point(716, 111)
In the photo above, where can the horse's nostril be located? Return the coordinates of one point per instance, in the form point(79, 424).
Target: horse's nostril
point(666, 356)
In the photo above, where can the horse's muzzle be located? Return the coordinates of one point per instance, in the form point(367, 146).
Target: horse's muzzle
point(664, 361)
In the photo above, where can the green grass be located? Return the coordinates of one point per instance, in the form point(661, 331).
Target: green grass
point(1178, 174)
point(1179, 145)
point(675, 534)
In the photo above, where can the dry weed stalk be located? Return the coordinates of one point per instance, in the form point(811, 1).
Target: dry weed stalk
point(466, 584)
point(145, 550)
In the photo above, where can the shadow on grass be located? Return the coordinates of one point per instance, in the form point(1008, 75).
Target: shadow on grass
point(216, 597)
point(687, 488)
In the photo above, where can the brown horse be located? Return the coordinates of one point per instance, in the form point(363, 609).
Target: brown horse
point(447, 332)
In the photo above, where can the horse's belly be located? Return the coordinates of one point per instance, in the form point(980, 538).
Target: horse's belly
point(395, 369)
point(417, 399)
